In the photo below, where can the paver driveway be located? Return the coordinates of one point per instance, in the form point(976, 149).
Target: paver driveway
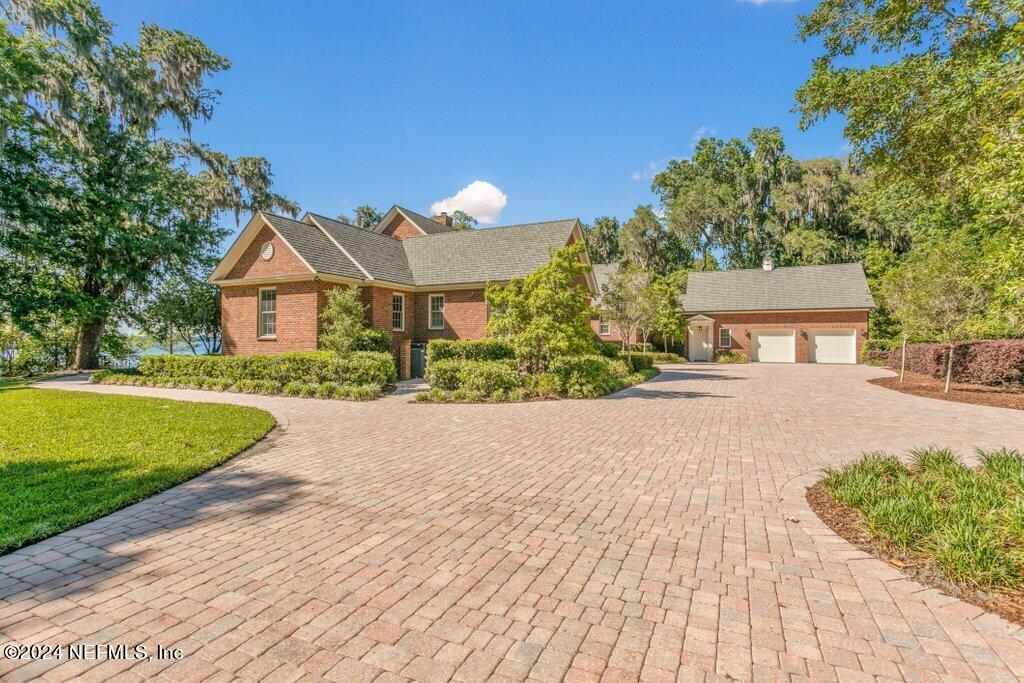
point(657, 533)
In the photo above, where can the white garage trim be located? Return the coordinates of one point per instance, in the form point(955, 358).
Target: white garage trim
point(773, 346)
point(832, 346)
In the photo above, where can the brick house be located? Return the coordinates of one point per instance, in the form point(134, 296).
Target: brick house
point(801, 314)
point(420, 279)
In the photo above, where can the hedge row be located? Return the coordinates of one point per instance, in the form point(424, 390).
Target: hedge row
point(351, 392)
point(731, 357)
point(464, 349)
point(997, 363)
point(317, 367)
point(501, 380)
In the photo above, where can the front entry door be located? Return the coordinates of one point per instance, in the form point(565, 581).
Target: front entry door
point(699, 343)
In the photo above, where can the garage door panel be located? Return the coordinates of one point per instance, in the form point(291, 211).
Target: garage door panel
point(773, 346)
point(833, 346)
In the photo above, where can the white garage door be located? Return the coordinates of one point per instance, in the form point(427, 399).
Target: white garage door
point(833, 346)
point(773, 346)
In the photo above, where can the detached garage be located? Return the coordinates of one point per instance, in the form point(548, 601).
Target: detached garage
point(800, 314)
point(833, 346)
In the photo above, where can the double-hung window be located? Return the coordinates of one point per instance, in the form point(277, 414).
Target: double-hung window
point(603, 326)
point(398, 312)
point(267, 325)
point(724, 337)
point(436, 321)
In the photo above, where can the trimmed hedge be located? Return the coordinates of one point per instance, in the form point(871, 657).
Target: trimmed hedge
point(349, 392)
point(731, 357)
point(372, 339)
point(466, 349)
point(359, 367)
point(995, 363)
point(590, 376)
point(485, 376)
point(876, 351)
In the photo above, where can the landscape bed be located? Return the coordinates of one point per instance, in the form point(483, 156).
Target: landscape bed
point(488, 371)
point(925, 385)
point(956, 528)
point(67, 458)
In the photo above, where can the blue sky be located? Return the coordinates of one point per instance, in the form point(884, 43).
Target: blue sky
point(567, 108)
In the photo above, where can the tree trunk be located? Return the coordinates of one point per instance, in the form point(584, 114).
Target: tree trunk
point(903, 357)
point(87, 345)
point(949, 367)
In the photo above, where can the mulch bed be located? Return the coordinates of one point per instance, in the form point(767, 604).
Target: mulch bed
point(924, 385)
point(849, 524)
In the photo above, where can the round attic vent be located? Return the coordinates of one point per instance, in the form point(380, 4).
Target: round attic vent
point(267, 252)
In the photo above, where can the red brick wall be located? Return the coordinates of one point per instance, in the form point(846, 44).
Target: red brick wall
point(400, 228)
point(741, 325)
point(284, 262)
point(465, 315)
point(297, 325)
point(614, 334)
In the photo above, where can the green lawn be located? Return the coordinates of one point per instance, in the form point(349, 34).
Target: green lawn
point(969, 523)
point(69, 457)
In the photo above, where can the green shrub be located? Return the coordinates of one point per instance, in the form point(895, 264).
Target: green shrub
point(465, 349)
point(969, 522)
point(584, 376)
point(360, 367)
point(662, 358)
point(372, 339)
point(876, 351)
point(731, 357)
point(98, 376)
point(488, 376)
point(326, 390)
point(638, 361)
point(548, 384)
point(293, 388)
point(257, 386)
point(607, 349)
point(357, 392)
point(444, 374)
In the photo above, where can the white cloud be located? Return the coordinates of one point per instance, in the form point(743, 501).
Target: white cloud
point(706, 131)
point(480, 199)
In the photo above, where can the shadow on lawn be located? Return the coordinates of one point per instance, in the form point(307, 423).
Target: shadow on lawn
point(75, 561)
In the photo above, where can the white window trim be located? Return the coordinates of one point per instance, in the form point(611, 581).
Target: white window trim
point(430, 312)
point(720, 331)
point(259, 313)
point(604, 328)
point(402, 297)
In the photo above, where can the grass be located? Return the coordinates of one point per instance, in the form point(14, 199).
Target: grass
point(70, 457)
point(968, 522)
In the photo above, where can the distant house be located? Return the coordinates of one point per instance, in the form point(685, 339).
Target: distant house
point(802, 314)
point(420, 278)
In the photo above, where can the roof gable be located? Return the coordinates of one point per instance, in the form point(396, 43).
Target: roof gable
point(379, 256)
point(421, 223)
point(307, 241)
point(839, 286)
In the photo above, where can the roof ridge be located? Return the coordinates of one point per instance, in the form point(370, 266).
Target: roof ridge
point(499, 227)
point(759, 269)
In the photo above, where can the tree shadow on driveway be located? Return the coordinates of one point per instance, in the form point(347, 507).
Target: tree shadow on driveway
point(651, 390)
point(75, 561)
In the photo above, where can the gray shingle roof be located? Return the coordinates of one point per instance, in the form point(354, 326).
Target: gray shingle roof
point(313, 246)
point(431, 227)
point(602, 271)
point(794, 288)
point(382, 256)
point(485, 254)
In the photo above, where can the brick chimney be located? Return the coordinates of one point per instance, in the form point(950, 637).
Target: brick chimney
point(444, 219)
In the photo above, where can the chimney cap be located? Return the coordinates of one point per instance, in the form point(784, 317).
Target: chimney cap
point(768, 263)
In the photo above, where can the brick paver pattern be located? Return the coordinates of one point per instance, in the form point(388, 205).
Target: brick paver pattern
point(661, 533)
